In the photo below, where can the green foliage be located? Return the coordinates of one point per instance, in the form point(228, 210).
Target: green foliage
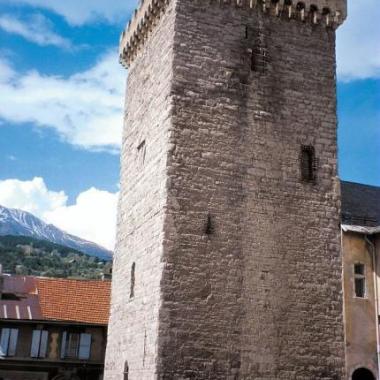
point(28, 256)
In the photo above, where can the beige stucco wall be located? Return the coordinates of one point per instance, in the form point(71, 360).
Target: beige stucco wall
point(360, 313)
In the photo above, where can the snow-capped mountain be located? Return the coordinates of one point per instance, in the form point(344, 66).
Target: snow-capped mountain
point(22, 223)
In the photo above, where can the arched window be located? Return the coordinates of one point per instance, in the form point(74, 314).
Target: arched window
point(363, 374)
point(133, 280)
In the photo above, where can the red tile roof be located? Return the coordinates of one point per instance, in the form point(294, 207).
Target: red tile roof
point(74, 300)
point(85, 301)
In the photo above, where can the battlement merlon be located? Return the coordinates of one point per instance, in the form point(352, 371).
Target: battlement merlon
point(330, 13)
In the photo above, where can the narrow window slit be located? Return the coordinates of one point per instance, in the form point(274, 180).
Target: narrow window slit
point(141, 150)
point(126, 371)
point(133, 280)
point(209, 228)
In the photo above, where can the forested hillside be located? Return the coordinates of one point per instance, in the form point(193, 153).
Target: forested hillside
point(29, 256)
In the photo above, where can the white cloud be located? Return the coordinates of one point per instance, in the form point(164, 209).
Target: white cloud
point(85, 109)
point(32, 196)
point(358, 46)
point(78, 12)
point(36, 28)
point(91, 217)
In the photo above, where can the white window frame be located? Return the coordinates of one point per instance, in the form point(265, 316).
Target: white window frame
point(8, 342)
point(39, 344)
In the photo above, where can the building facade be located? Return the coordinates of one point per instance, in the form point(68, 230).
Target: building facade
point(228, 261)
point(52, 329)
point(361, 268)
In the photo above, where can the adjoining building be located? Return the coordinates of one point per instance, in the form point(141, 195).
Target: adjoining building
point(52, 329)
point(361, 269)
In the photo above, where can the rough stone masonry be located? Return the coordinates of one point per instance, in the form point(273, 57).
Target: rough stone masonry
point(228, 262)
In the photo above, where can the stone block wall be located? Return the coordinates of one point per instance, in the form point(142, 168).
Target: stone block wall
point(238, 264)
point(260, 296)
point(132, 339)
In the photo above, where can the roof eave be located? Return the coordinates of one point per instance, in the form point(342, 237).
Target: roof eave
point(361, 229)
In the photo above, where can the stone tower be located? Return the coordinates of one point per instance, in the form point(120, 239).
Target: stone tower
point(228, 260)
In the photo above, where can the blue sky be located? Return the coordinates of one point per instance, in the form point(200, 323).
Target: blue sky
point(62, 101)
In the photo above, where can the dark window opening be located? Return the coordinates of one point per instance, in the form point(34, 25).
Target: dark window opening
point(313, 8)
point(246, 32)
point(314, 13)
point(10, 297)
point(300, 6)
point(75, 345)
point(141, 150)
point(326, 11)
point(301, 10)
point(308, 164)
point(209, 230)
point(141, 145)
point(359, 269)
point(288, 3)
point(126, 371)
point(360, 280)
point(133, 280)
point(363, 374)
point(326, 14)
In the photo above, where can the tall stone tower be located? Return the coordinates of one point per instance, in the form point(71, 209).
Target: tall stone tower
point(228, 260)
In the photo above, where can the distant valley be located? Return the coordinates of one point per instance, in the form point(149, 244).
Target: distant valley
point(28, 256)
point(21, 223)
point(29, 246)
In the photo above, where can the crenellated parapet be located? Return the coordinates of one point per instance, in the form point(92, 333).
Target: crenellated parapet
point(330, 13)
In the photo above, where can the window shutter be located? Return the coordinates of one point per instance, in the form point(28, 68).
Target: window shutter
point(85, 346)
point(4, 341)
point(43, 343)
point(13, 342)
point(63, 345)
point(36, 338)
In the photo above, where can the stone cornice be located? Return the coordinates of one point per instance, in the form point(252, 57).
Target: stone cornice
point(330, 13)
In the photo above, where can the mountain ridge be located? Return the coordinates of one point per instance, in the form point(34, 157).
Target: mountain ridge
point(22, 223)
